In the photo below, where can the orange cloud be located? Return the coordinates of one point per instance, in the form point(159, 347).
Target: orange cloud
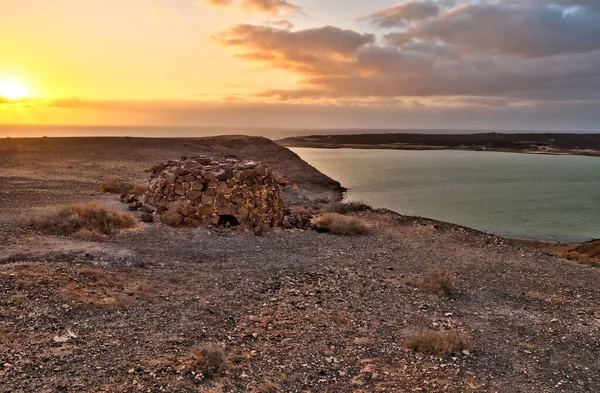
point(271, 7)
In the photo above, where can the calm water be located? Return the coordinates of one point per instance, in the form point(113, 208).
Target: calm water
point(554, 198)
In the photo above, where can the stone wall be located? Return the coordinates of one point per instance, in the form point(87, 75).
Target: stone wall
point(203, 190)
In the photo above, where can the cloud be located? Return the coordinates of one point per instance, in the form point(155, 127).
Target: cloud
point(271, 7)
point(402, 13)
point(510, 51)
point(320, 51)
point(526, 29)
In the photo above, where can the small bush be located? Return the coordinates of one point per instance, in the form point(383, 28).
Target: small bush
point(589, 262)
point(116, 186)
point(83, 220)
point(210, 361)
point(572, 256)
point(267, 388)
point(139, 189)
point(439, 281)
point(348, 207)
point(439, 343)
point(176, 213)
point(338, 224)
point(303, 211)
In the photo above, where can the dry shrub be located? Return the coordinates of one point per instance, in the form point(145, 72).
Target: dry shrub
point(439, 343)
point(348, 207)
point(84, 220)
point(572, 256)
point(338, 224)
point(303, 211)
point(139, 189)
point(210, 361)
point(589, 261)
point(267, 388)
point(116, 186)
point(440, 281)
point(86, 234)
point(176, 214)
point(581, 258)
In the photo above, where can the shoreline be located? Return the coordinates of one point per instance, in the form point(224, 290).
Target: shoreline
point(593, 153)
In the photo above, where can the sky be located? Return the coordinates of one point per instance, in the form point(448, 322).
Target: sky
point(446, 64)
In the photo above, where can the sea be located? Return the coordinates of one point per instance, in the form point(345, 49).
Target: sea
point(528, 196)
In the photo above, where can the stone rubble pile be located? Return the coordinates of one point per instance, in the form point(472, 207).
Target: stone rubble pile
point(230, 191)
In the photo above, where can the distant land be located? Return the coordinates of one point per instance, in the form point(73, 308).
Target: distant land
point(539, 143)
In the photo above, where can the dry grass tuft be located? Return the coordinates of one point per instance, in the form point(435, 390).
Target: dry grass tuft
point(139, 189)
point(176, 213)
point(210, 361)
point(267, 388)
point(91, 221)
point(440, 281)
point(582, 258)
point(338, 224)
point(439, 343)
point(303, 211)
point(86, 234)
point(348, 207)
point(116, 186)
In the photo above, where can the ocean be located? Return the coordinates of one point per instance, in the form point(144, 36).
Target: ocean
point(526, 196)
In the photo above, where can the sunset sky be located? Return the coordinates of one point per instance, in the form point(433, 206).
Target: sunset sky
point(487, 64)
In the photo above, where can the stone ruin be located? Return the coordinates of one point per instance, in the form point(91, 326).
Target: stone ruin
point(227, 192)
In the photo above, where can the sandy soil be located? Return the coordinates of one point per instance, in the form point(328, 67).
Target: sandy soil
point(306, 311)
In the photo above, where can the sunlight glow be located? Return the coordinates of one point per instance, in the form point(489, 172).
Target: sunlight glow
point(14, 89)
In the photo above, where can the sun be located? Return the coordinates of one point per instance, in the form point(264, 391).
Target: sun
point(14, 89)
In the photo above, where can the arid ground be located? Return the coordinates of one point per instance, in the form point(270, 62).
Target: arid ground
point(292, 310)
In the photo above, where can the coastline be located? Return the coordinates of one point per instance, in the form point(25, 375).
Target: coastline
point(590, 153)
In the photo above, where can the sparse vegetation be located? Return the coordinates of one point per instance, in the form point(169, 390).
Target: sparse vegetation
point(303, 211)
point(176, 213)
point(582, 258)
point(85, 221)
point(119, 186)
point(589, 262)
point(267, 388)
point(348, 207)
point(338, 224)
point(439, 343)
point(440, 281)
point(210, 361)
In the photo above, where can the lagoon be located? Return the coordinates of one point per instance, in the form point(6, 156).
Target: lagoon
point(527, 196)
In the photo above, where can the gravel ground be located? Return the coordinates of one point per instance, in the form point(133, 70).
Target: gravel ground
point(304, 311)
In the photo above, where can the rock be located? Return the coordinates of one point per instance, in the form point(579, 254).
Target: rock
point(147, 209)
point(135, 206)
point(223, 189)
point(179, 189)
point(466, 353)
point(147, 217)
point(225, 175)
point(207, 200)
point(194, 195)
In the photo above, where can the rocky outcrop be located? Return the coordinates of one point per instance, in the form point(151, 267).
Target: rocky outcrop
point(225, 192)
